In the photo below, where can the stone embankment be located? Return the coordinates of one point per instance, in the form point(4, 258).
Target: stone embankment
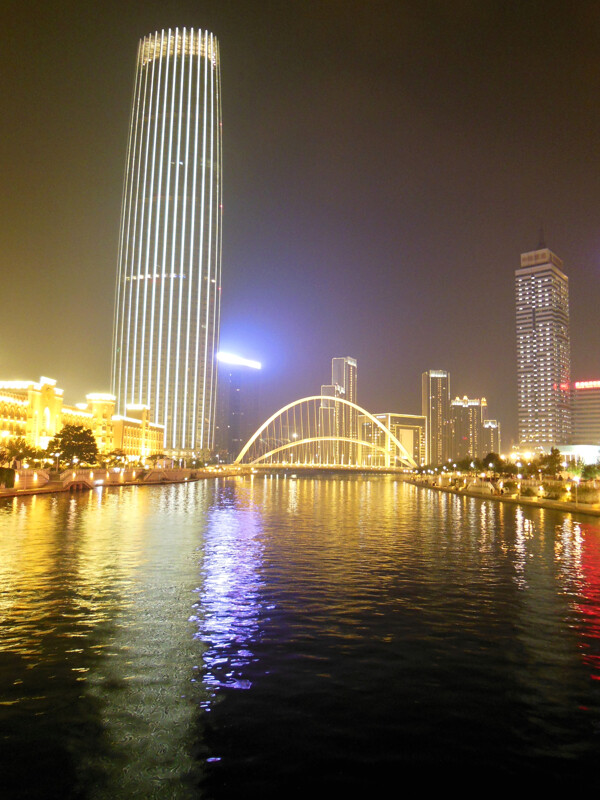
point(39, 481)
point(485, 490)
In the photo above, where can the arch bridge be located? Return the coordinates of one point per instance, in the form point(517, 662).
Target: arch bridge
point(321, 431)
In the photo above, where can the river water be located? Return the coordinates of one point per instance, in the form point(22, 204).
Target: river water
point(255, 636)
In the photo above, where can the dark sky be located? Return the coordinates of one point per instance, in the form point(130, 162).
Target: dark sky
point(385, 164)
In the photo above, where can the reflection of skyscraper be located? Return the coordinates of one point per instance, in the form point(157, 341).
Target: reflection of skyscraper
point(435, 405)
point(543, 350)
point(167, 304)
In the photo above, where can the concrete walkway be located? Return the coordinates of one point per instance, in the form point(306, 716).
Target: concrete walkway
point(152, 478)
point(590, 509)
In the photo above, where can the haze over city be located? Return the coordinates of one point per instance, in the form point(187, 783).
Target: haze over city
point(384, 167)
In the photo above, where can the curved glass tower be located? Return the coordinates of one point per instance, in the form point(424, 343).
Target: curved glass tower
point(167, 305)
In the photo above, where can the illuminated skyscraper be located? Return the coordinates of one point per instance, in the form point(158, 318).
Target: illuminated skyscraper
point(543, 350)
point(344, 375)
point(466, 427)
point(167, 305)
point(336, 418)
point(435, 405)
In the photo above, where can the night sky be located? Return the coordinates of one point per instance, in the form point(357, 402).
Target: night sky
point(385, 164)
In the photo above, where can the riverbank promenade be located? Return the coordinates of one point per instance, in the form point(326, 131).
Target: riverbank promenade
point(484, 490)
point(39, 481)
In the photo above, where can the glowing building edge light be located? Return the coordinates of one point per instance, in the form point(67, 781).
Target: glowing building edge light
point(230, 358)
point(587, 384)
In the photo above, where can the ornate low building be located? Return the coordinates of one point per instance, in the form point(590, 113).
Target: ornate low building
point(35, 411)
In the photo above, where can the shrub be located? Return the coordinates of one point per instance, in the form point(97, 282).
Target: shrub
point(586, 494)
point(7, 477)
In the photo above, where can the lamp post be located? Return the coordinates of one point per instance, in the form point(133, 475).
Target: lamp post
point(576, 479)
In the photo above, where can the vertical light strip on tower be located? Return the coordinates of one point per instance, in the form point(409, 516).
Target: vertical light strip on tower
point(167, 303)
point(201, 248)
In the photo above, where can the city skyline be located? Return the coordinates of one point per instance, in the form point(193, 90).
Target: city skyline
point(168, 290)
point(385, 176)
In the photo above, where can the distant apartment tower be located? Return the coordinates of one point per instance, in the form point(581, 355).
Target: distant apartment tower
point(586, 412)
point(490, 437)
point(467, 416)
point(543, 350)
point(168, 289)
point(435, 405)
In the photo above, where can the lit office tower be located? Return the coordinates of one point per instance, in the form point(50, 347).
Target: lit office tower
point(467, 415)
point(343, 374)
point(337, 418)
point(435, 405)
point(167, 305)
point(543, 350)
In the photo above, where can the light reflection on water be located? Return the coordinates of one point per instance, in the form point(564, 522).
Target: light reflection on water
point(227, 611)
point(214, 638)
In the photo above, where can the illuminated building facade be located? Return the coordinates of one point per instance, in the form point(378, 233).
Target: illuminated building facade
point(586, 412)
point(135, 434)
point(491, 442)
point(467, 416)
point(409, 429)
point(338, 419)
point(167, 306)
point(344, 375)
point(543, 350)
point(435, 406)
point(35, 411)
point(31, 410)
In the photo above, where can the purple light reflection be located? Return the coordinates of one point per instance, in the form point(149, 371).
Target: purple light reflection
point(229, 607)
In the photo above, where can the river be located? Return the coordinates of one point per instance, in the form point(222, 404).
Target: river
point(253, 636)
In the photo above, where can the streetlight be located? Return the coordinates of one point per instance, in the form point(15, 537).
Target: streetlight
point(576, 479)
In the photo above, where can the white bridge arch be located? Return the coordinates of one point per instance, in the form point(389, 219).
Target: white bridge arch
point(324, 431)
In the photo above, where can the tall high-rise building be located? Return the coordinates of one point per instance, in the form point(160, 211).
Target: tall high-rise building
point(435, 405)
point(344, 375)
point(543, 350)
point(467, 416)
point(491, 437)
point(167, 305)
point(237, 402)
point(338, 419)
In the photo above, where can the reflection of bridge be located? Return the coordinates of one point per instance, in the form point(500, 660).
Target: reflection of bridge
point(313, 433)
